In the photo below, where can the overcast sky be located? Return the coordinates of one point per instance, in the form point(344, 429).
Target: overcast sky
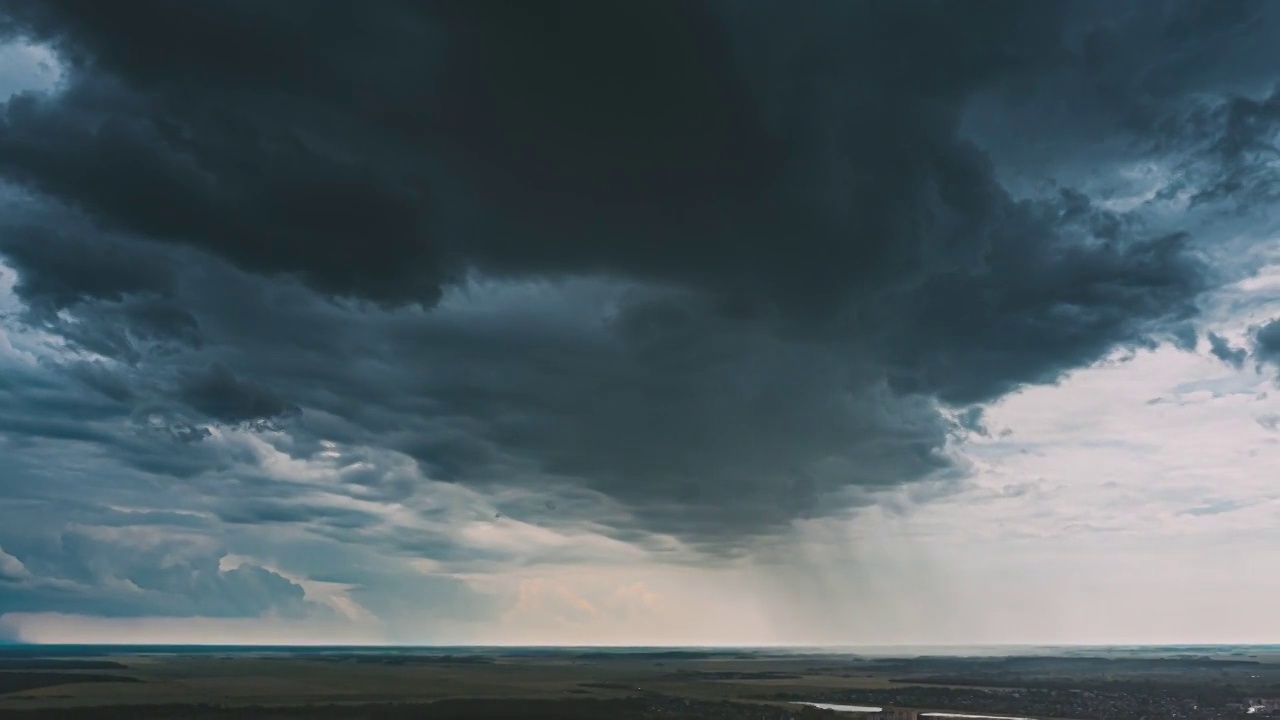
point(740, 322)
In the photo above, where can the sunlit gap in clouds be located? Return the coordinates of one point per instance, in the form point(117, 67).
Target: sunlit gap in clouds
point(28, 67)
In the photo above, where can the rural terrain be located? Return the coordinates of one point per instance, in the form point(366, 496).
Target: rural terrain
point(40, 682)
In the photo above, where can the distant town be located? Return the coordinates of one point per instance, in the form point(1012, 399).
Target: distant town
point(1014, 705)
point(1025, 704)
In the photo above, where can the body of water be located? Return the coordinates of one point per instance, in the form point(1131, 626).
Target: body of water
point(869, 709)
point(972, 716)
point(842, 708)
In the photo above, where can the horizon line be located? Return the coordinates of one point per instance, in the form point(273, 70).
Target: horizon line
point(727, 646)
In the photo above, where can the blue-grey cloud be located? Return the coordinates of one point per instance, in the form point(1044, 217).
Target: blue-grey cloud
point(1222, 349)
point(1216, 508)
point(1266, 343)
point(219, 394)
point(25, 67)
point(112, 556)
point(93, 570)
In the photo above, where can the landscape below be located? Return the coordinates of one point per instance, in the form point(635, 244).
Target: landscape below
point(1202, 682)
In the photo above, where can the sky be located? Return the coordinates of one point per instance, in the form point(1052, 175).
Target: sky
point(679, 322)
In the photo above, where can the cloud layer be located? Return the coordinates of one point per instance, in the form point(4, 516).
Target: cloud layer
point(673, 276)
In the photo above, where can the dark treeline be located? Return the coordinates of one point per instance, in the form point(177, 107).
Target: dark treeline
point(18, 681)
point(1036, 664)
point(513, 709)
point(1172, 686)
point(56, 664)
point(444, 710)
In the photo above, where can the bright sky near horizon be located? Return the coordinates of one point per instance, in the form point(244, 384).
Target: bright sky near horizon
point(850, 324)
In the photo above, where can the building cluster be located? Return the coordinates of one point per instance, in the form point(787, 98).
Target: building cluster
point(1152, 704)
point(1260, 706)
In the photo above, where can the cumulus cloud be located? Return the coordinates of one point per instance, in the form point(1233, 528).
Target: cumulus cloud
point(11, 568)
point(111, 571)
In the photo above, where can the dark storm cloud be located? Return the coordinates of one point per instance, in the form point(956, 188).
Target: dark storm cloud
point(972, 420)
point(119, 291)
point(95, 408)
point(561, 123)
point(126, 330)
point(273, 204)
point(41, 405)
point(1244, 149)
point(1266, 343)
point(1035, 312)
point(1144, 73)
point(219, 394)
point(57, 269)
point(1184, 337)
point(715, 262)
point(292, 512)
point(1226, 352)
